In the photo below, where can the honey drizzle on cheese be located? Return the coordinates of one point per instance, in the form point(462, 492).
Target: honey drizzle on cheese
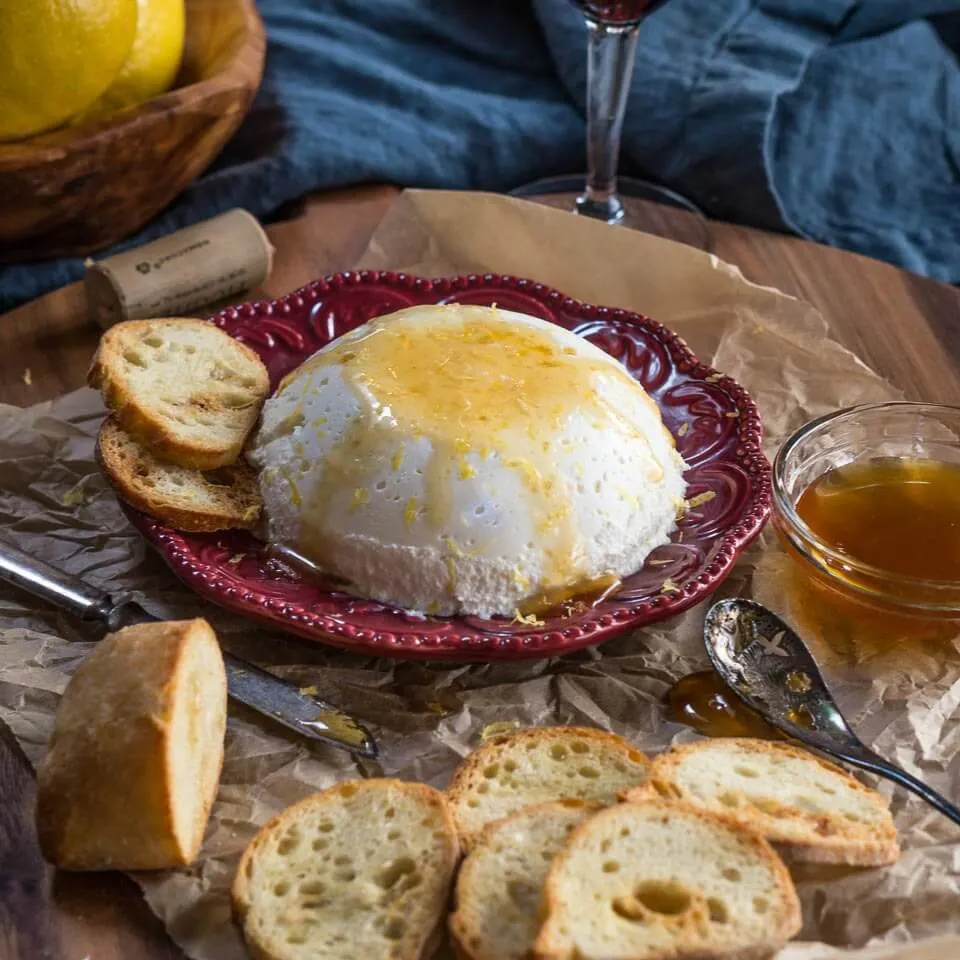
point(475, 386)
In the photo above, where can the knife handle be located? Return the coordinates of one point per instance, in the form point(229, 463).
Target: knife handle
point(61, 589)
point(258, 689)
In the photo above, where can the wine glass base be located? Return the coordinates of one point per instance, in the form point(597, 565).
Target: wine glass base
point(609, 209)
point(645, 206)
point(626, 186)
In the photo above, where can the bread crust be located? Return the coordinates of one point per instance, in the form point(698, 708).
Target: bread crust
point(470, 772)
point(136, 413)
point(240, 892)
point(788, 922)
point(838, 841)
point(107, 789)
point(127, 464)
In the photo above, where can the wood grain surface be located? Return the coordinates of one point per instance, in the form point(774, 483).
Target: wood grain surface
point(907, 328)
point(904, 326)
point(79, 189)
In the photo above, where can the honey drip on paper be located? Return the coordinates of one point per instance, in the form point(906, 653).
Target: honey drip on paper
point(900, 515)
point(475, 387)
point(703, 701)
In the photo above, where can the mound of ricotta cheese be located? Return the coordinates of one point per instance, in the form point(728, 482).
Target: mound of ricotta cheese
point(462, 459)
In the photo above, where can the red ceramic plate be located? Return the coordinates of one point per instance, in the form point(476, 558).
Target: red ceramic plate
point(714, 421)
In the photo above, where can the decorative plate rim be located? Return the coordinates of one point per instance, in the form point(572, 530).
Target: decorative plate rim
point(609, 619)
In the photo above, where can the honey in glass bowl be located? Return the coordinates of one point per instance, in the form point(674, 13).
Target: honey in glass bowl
point(897, 514)
point(867, 502)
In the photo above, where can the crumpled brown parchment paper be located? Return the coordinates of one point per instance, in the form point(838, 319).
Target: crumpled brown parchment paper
point(54, 504)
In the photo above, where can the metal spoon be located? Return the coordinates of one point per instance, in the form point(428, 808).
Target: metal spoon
point(770, 669)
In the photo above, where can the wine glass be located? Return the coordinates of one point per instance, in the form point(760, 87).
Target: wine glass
point(613, 27)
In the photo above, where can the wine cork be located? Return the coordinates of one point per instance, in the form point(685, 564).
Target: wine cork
point(182, 272)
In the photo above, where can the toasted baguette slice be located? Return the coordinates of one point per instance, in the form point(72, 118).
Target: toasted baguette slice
point(183, 498)
point(360, 870)
point(536, 765)
point(185, 389)
point(658, 880)
point(500, 885)
point(132, 767)
point(813, 810)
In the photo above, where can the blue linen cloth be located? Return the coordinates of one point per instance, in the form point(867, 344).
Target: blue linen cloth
point(836, 119)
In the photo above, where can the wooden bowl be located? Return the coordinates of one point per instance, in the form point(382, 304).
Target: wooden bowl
point(80, 189)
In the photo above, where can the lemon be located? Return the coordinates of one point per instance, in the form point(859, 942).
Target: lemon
point(57, 57)
point(153, 61)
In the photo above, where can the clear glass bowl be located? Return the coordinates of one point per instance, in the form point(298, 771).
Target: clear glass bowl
point(898, 429)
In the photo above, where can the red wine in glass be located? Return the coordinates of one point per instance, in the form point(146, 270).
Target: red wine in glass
point(619, 11)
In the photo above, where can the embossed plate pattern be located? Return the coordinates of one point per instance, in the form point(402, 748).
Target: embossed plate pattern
point(715, 423)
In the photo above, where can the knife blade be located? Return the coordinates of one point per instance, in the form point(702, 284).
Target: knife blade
point(270, 696)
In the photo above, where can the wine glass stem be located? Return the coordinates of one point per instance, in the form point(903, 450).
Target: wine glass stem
point(611, 51)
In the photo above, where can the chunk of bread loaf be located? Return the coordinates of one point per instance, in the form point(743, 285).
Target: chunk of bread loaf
point(185, 389)
point(657, 880)
point(500, 885)
point(183, 498)
point(539, 764)
point(813, 810)
point(133, 764)
point(360, 870)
